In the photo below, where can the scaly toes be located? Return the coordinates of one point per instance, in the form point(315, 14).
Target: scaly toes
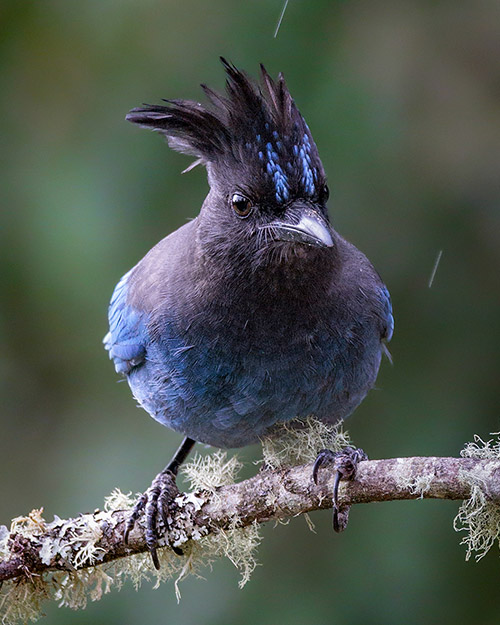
point(134, 515)
point(344, 464)
point(156, 501)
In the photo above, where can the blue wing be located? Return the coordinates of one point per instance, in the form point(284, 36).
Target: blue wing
point(387, 316)
point(127, 338)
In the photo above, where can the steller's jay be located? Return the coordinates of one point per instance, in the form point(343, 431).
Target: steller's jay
point(257, 311)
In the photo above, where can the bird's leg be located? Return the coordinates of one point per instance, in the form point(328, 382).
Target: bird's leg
point(157, 500)
point(344, 463)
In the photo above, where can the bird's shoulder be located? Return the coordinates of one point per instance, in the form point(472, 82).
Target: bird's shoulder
point(361, 283)
point(163, 269)
point(143, 292)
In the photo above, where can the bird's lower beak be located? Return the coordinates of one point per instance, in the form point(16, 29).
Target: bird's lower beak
point(311, 229)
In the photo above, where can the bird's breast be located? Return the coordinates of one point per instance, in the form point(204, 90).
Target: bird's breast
point(226, 381)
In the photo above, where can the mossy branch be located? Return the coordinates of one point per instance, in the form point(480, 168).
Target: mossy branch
point(270, 495)
point(71, 560)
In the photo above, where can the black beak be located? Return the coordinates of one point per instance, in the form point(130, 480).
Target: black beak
point(310, 228)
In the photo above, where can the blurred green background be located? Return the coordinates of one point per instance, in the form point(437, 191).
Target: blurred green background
point(403, 99)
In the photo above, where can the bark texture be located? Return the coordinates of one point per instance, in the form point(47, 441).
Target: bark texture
point(269, 495)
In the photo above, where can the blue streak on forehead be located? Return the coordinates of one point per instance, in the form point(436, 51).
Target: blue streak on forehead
point(275, 171)
point(269, 154)
point(309, 174)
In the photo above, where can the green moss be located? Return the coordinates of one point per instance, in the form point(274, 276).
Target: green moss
point(299, 441)
point(78, 539)
point(478, 516)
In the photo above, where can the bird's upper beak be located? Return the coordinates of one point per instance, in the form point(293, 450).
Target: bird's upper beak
point(307, 226)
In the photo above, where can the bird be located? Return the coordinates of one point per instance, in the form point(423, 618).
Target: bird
point(256, 311)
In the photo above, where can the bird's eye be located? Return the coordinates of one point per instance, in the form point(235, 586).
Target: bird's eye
point(241, 205)
point(325, 193)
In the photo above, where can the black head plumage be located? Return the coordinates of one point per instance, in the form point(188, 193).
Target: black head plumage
point(254, 131)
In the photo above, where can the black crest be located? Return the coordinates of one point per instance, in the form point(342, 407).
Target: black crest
point(256, 125)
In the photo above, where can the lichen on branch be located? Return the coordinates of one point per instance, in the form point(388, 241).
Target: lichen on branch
point(72, 561)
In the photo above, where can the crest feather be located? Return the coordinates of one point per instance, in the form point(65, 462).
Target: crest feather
point(210, 131)
point(253, 125)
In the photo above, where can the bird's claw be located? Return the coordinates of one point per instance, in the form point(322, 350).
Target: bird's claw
point(134, 515)
point(156, 502)
point(344, 463)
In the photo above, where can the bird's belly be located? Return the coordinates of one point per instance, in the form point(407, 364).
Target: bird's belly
point(230, 398)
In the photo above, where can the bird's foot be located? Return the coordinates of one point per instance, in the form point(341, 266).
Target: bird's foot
point(345, 464)
point(156, 502)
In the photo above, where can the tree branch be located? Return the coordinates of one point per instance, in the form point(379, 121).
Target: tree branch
point(35, 547)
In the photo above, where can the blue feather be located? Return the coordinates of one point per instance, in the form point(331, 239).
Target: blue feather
point(387, 312)
point(126, 338)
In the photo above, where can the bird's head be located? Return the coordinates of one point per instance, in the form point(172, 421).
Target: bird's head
point(267, 183)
